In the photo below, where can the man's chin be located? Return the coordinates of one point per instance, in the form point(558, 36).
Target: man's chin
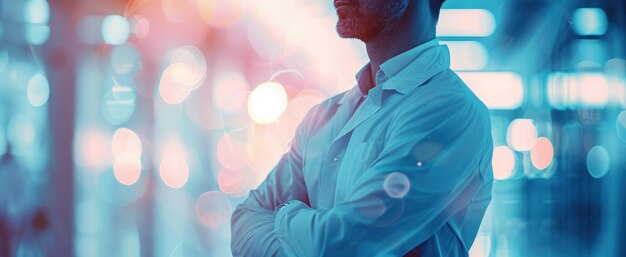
point(347, 29)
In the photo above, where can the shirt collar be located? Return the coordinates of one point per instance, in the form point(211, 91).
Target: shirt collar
point(404, 72)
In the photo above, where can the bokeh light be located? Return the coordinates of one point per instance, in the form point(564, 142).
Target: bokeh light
point(127, 168)
point(125, 141)
point(125, 59)
point(521, 134)
point(396, 185)
point(37, 11)
point(117, 111)
point(590, 21)
point(169, 88)
point(594, 89)
point(140, 26)
point(598, 161)
point(188, 67)
point(504, 163)
point(115, 30)
point(38, 90)
point(213, 209)
point(229, 153)
point(174, 170)
point(542, 153)
point(92, 149)
point(466, 22)
point(467, 55)
point(497, 90)
point(267, 102)
point(234, 182)
point(21, 133)
point(37, 34)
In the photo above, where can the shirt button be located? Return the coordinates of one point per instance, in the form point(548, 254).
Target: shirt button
point(336, 159)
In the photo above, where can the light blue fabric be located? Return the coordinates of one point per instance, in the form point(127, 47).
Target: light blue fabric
point(345, 176)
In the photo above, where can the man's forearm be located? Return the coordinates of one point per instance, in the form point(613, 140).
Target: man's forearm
point(253, 232)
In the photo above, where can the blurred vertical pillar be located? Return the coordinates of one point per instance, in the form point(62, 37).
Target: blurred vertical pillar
point(60, 65)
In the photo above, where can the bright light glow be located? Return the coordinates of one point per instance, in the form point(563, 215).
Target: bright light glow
point(91, 149)
point(590, 21)
point(497, 90)
point(396, 185)
point(37, 11)
point(521, 134)
point(593, 89)
point(174, 170)
point(115, 30)
point(574, 90)
point(127, 168)
point(125, 141)
point(188, 67)
point(542, 153)
point(467, 55)
point(38, 90)
point(169, 90)
point(37, 34)
point(598, 161)
point(213, 209)
point(620, 126)
point(466, 23)
point(503, 162)
point(267, 102)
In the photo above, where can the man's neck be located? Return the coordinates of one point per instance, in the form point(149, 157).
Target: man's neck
point(407, 33)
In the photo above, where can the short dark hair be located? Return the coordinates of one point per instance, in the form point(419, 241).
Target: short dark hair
point(435, 7)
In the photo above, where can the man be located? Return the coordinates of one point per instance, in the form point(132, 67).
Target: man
point(400, 165)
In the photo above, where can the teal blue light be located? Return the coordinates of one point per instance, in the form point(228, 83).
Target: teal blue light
point(590, 22)
point(37, 11)
point(37, 34)
point(598, 161)
point(115, 30)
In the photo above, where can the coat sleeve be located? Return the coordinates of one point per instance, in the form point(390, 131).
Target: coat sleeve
point(252, 223)
point(427, 171)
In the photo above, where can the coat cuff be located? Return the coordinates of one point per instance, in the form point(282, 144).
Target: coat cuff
point(280, 221)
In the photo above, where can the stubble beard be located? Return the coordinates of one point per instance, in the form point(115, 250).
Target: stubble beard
point(373, 22)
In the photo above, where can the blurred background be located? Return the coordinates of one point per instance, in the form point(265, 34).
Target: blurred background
point(134, 127)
